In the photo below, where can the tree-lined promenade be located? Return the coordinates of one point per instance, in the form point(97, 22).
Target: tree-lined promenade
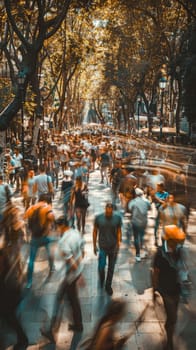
point(110, 57)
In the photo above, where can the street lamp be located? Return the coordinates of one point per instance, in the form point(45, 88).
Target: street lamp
point(138, 111)
point(21, 81)
point(162, 86)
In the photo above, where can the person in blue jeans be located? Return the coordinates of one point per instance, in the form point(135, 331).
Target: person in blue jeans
point(138, 207)
point(107, 228)
point(40, 219)
point(159, 198)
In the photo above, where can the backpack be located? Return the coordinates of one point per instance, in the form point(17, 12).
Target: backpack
point(34, 224)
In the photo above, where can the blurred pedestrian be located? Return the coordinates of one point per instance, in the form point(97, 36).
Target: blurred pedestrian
point(104, 336)
point(10, 169)
point(10, 297)
point(173, 213)
point(167, 278)
point(18, 159)
point(66, 190)
point(71, 248)
point(79, 201)
point(105, 164)
point(115, 180)
point(158, 198)
point(43, 184)
point(5, 196)
point(107, 230)
point(138, 207)
point(27, 190)
point(93, 155)
point(127, 185)
point(13, 229)
point(153, 179)
point(40, 219)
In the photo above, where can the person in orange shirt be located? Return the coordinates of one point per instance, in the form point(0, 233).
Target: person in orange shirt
point(27, 190)
point(40, 219)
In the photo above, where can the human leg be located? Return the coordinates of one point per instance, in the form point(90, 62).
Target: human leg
point(83, 213)
point(101, 266)
point(56, 314)
point(34, 245)
point(114, 193)
point(72, 294)
point(156, 229)
point(112, 256)
point(102, 173)
point(136, 241)
point(46, 243)
point(12, 320)
point(78, 218)
point(171, 308)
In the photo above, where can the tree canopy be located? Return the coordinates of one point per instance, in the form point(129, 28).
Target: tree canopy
point(75, 52)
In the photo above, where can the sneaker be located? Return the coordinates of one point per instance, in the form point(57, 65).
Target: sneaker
point(109, 290)
point(29, 285)
point(144, 255)
point(137, 258)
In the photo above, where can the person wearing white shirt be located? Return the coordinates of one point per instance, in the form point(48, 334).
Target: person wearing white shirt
point(71, 248)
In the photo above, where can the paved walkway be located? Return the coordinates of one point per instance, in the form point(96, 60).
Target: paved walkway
point(131, 282)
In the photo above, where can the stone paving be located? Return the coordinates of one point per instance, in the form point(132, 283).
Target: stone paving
point(131, 282)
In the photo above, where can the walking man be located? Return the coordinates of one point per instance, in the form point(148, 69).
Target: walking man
point(43, 184)
point(115, 180)
point(71, 247)
point(107, 226)
point(166, 279)
point(138, 207)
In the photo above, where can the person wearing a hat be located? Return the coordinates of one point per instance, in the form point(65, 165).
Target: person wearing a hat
point(168, 267)
point(71, 248)
point(138, 207)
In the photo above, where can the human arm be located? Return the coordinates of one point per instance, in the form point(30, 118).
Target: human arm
point(50, 185)
point(95, 239)
point(35, 188)
point(46, 215)
point(72, 197)
point(119, 236)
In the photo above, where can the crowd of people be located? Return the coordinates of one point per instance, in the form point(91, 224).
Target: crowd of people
point(67, 169)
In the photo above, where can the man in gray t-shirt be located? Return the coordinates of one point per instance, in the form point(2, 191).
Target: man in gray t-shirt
point(107, 227)
point(43, 183)
point(138, 207)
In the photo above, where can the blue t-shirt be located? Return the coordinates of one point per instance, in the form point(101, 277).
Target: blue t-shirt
point(162, 196)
